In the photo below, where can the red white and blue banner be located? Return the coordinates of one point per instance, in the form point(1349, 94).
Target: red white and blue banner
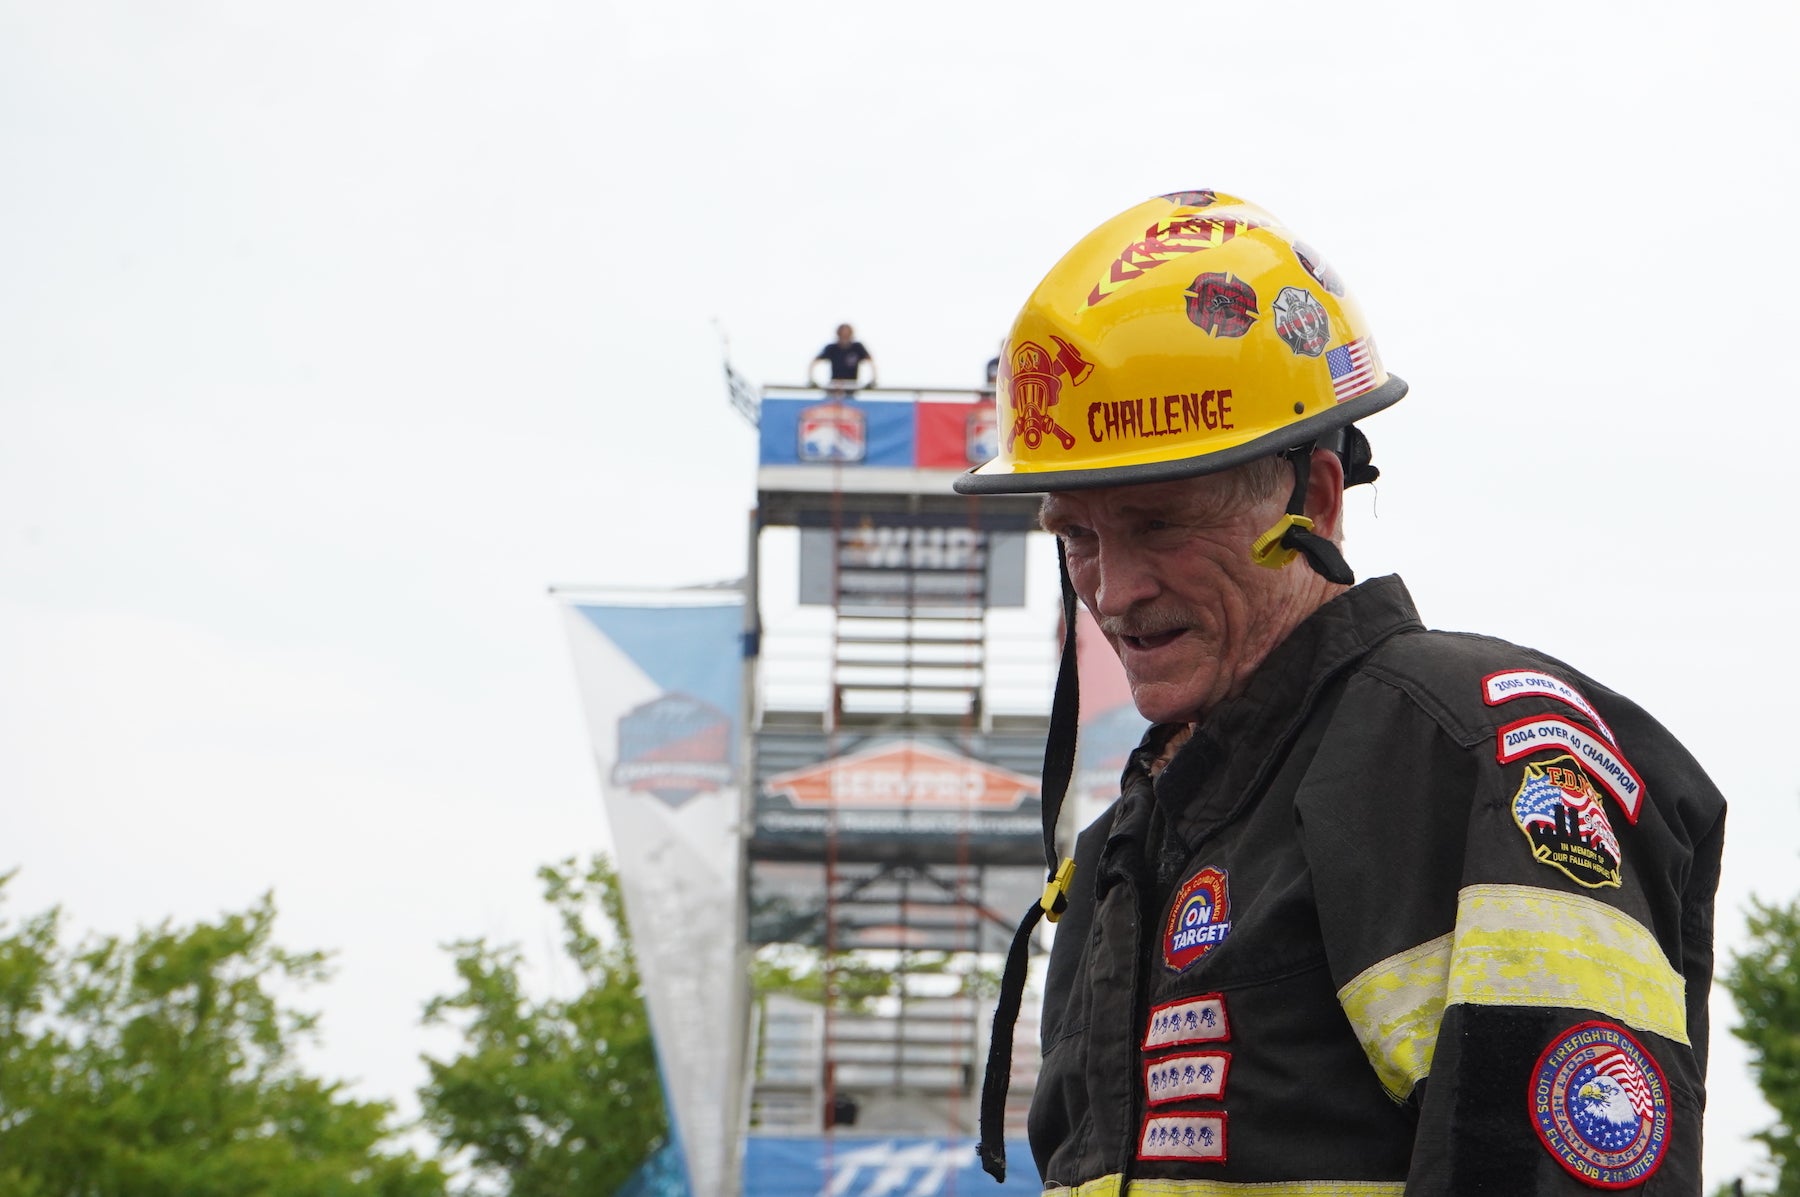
point(868, 433)
point(661, 680)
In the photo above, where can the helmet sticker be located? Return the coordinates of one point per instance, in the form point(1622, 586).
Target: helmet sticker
point(1204, 198)
point(1034, 383)
point(1300, 320)
point(1559, 810)
point(1199, 919)
point(1353, 368)
point(1222, 305)
point(1164, 241)
point(1318, 268)
point(1601, 1106)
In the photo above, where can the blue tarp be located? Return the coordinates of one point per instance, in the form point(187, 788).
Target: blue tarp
point(880, 1166)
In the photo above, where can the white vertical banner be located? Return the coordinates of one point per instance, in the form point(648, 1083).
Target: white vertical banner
point(661, 680)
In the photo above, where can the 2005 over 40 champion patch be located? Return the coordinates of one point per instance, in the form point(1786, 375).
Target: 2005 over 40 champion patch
point(1559, 810)
point(1601, 1106)
point(1199, 919)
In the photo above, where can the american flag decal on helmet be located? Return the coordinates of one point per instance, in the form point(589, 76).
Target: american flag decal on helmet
point(1353, 368)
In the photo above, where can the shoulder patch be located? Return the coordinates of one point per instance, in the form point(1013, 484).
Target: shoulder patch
point(1608, 765)
point(1199, 919)
point(1559, 810)
point(1601, 1106)
point(1507, 685)
point(1184, 1137)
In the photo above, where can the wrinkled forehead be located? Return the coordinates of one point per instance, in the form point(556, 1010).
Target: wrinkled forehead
point(1209, 497)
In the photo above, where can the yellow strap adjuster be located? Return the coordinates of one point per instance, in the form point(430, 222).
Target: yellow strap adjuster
point(1268, 549)
point(1056, 890)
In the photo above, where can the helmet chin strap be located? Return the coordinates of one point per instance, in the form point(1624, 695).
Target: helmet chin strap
point(1293, 536)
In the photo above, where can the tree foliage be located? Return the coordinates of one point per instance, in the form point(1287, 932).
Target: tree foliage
point(558, 1096)
point(165, 1065)
point(1764, 980)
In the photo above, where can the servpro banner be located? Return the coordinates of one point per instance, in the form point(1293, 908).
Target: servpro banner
point(661, 679)
point(898, 797)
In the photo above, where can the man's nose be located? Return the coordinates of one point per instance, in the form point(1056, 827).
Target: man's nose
point(1126, 578)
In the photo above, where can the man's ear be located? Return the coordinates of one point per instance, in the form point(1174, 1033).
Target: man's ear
point(1325, 494)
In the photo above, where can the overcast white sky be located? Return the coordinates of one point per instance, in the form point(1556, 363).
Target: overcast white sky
point(331, 334)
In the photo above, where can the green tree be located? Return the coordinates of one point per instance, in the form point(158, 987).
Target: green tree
point(551, 1097)
point(165, 1066)
point(1764, 980)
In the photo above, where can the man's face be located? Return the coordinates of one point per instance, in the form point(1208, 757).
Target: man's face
point(1165, 568)
point(845, 333)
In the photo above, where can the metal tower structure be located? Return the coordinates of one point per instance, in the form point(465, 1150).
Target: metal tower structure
point(898, 696)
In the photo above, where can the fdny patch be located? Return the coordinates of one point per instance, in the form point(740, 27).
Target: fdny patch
point(1610, 769)
point(1190, 1020)
point(1558, 809)
point(1199, 919)
point(1601, 1106)
point(1201, 1074)
point(1183, 1137)
point(1497, 688)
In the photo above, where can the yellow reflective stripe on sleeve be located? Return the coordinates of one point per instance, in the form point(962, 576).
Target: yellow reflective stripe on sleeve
point(1108, 1186)
point(1514, 945)
point(1521, 946)
point(1395, 1006)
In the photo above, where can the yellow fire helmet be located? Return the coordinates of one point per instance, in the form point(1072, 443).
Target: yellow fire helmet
point(1187, 335)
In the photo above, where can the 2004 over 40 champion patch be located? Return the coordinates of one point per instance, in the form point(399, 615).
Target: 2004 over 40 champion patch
point(1559, 810)
point(1601, 1106)
point(1199, 919)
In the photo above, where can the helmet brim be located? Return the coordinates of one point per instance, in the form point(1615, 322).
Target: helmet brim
point(1278, 441)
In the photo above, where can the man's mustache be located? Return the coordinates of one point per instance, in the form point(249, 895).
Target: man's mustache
point(1147, 623)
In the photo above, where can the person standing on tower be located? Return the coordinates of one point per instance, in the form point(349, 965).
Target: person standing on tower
point(846, 356)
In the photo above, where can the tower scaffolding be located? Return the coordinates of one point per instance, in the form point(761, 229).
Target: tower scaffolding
point(897, 712)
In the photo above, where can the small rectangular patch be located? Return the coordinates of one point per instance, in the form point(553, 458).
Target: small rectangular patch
point(1610, 769)
point(1190, 1020)
point(1201, 1074)
point(1183, 1137)
point(1497, 688)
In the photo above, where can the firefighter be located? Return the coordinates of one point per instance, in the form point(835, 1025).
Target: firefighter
point(1379, 910)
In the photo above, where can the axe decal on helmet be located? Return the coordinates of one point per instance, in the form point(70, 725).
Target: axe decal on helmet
point(1035, 384)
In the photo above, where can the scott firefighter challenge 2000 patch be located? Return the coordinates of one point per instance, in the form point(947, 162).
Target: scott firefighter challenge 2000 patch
point(1600, 1105)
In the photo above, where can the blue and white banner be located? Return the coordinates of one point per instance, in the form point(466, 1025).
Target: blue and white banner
point(661, 679)
point(855, 1166)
